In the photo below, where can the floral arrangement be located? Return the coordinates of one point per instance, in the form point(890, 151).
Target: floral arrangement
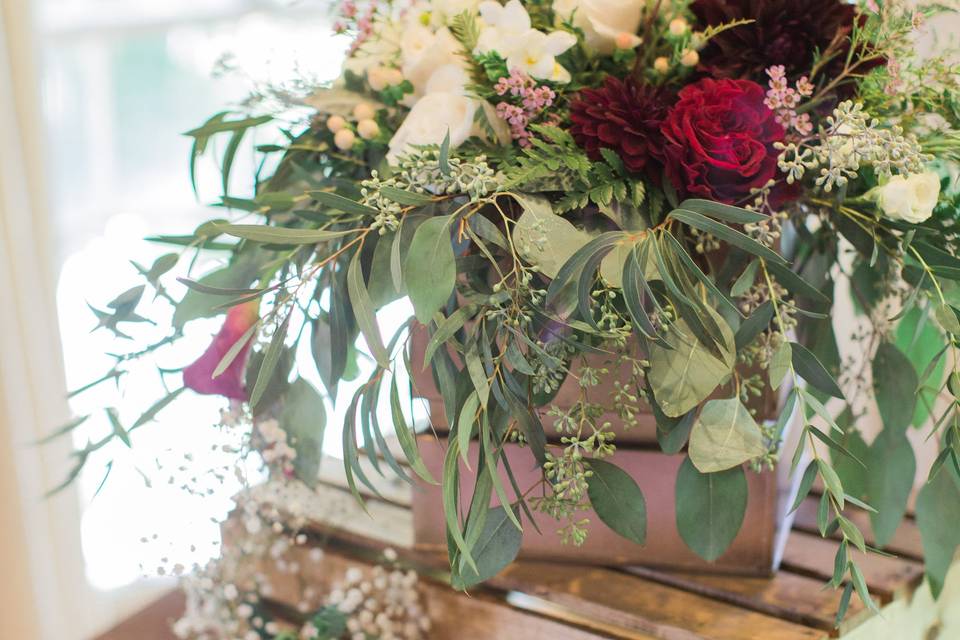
point(691, 188)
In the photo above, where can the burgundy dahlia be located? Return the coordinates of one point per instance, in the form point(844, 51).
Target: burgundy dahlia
point(787, 32)
point(719, 140)
point(622, 115)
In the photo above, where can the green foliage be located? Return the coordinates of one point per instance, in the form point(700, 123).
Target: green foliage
point(618, 501)
point(304, 418)
point(710, 508)
point(724, 436)
point(554, 162)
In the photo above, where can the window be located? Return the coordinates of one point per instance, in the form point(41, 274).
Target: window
point(121, 80)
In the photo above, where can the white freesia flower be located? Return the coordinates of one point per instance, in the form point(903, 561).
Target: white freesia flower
point(504, 27)
point(909, 199)
point(507, 32)
point(431, 118)
point(536, 55)
point(603, 21)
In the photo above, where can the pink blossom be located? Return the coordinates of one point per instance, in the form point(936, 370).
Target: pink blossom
point(230, 384)
point(783, 100)
point(534, 101)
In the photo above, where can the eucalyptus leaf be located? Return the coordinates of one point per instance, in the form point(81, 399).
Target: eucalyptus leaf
point(891, 469)
point(430, 272)
point(618, 501)
point(497, 546)
point(938, 512)
point(895, 384)
point(684, 376)
point(710, 508)
point(545, 239)
point(365, 313)
point(303, 419)
point(724, 436)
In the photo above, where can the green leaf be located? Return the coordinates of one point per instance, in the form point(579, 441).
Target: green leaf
point(281, 235)
point(754, 325)
point(938, 512)
point(860, 584)
point(380, 283)
point(408, 443)
point(684, 376)
point(810, 369)
point(894, 386)
point(155, 408)
point(465, 424)
point(450, 489)
point(497, 546)
point(237, 275)
point(852, 474)
point(726, 234)
point(430, 271)
point(806, 483)
point(947, 317)
point(303, 419)
point(445, 154)
point(745, 280)
point(618, 501)
point(724, 436)
point(269, 364)
point(545, 239)
point(710, 508)
point(364, 312)
point(844, 605)
point(892, 467)
point(235, 350)
point(831, 481)
point(339, 203)
point(724, 212)
point(780, 364)
point(921, 341)
point(404, 197)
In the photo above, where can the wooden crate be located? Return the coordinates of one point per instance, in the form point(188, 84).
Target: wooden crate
point(756, 550)
point(534, 599)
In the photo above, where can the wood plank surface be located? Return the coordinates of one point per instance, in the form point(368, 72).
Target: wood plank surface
point(905, 541)
point(887, 577)
point(150, 623)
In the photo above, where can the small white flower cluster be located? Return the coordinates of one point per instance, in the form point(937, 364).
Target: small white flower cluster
point(388, 211)
point(420, 171)
point(380, 603)
point(275, 448)
point(851, 140)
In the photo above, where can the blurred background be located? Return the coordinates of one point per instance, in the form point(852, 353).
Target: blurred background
point(94, 95)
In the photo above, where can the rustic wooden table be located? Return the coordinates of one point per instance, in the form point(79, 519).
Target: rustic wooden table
point(562, 602)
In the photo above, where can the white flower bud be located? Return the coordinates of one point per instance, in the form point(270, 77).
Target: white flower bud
point(690, 58)
point(336, 123)
point(344, 139)
point(368, 129)
point(661, 65)
point(678, 26)
point(364, 111)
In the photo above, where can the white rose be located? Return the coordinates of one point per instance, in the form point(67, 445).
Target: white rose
point(423, 51)
point(909, 199)
point(429, 121)
point(603, 21)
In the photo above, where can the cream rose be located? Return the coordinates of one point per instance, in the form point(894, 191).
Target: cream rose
point(430, 119)
point(422, 52)
point(603, 21)
point(909, 199)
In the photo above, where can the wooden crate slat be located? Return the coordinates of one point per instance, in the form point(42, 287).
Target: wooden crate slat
point(887, 577)
point(786, 595)
point(486, 614)
point(905, 542)
point(645, 606)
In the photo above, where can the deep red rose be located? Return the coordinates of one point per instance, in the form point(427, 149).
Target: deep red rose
point(719, 140)
point(230, 384)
